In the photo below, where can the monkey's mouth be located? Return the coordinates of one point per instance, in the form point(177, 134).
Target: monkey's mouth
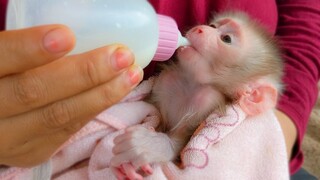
point(189, 49)
point(192, 42)
point(185, 47)
point(181, 48)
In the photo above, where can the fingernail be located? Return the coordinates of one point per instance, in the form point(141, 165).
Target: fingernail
point(122, 58)
point(57, 40)
point(135, 74)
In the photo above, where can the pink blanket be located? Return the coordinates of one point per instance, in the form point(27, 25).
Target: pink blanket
point(234, 146)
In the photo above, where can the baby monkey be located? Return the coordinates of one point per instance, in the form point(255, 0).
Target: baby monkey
point(233, 60)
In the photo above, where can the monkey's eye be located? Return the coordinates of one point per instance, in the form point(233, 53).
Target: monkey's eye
point(213, 26)
point(226, 38)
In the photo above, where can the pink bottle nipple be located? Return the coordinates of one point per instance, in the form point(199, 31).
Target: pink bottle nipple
point(169, 38)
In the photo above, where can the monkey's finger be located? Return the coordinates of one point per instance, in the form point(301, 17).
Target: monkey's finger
point(135, 144)
point(25, 49)
point(121, 138)
point(147, 169)
point(128, 142)
point(122, 147)
point(122, 158)
point(136, 128)
point(118, 173)
point(130, 171)
point(142, 162)
point(130, 133)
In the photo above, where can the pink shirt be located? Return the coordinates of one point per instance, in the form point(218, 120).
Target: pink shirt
point(298, 28)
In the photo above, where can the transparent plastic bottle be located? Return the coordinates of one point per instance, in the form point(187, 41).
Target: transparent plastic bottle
point(97, 23)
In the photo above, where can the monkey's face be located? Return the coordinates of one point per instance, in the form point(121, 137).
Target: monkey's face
point(216, 49)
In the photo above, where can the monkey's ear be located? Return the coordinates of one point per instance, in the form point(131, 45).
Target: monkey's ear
point(256, 99)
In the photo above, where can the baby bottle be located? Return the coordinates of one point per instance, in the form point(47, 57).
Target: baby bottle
point(97, 23)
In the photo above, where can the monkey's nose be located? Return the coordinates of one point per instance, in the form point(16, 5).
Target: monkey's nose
point(197, 30)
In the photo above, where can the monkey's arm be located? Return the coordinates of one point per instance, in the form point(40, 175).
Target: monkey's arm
point(298, 30)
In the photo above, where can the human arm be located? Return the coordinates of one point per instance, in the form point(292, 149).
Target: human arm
point(46, 96)
point(298, 30)
point(289, 131)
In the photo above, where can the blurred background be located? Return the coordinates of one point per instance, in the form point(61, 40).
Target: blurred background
point(311, 142)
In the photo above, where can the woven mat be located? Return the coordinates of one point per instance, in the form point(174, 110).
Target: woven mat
point(311, 142)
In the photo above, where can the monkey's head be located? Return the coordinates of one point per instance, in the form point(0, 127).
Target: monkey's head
point(237, 55)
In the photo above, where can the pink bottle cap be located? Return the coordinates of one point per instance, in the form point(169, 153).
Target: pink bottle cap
point(168, 38)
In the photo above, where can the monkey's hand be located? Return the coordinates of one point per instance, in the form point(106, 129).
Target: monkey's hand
point(137, 147)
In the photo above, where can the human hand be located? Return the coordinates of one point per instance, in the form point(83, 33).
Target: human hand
point(136, 148)
point(45, 96)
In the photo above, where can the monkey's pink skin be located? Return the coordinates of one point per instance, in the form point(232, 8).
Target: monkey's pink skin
point(118, 173)
point(147, 169)
point(129, 172)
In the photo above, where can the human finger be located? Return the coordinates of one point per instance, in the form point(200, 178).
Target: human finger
point(69, 115)
point(52, 125)
point(25, 49)
point(61, 79)
point(17, 154)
